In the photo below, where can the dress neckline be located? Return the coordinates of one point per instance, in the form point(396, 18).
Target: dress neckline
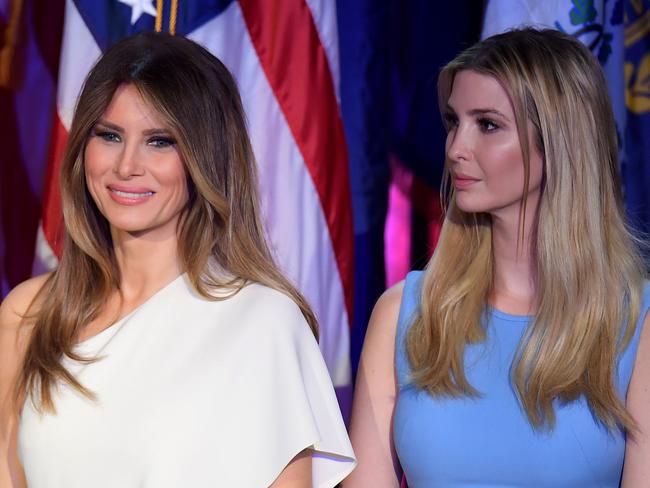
point(116, 325)
point(499, 314)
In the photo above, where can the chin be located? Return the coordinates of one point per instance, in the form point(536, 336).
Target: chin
point(468, 206)
point(129, 225)
point(155, 229)
point(130, 229)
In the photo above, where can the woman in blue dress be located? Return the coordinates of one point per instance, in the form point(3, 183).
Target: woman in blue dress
point(519, 356)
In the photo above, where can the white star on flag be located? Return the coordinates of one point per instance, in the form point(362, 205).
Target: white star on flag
point(138, 7)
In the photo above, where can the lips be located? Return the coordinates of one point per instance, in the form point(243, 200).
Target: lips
point(132, 194)
point(129, 195)
point(462, 181)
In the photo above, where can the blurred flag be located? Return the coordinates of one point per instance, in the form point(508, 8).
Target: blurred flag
point(618, 34)
point(364, 27)
point(284, 56)
point(636, 165)
point(389, 66)
point(30, 34)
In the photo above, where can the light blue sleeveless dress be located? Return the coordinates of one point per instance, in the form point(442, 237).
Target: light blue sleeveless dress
point(488, 441)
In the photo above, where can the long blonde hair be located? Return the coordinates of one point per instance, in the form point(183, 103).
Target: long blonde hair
point(198, 98)
point(589, 271)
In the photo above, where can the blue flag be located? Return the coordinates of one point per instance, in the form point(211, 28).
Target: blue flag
point(618, 34)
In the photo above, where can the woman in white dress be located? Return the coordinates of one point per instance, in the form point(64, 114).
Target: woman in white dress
point(167, 349)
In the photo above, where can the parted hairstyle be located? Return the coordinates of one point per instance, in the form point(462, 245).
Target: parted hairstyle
point(587, 262)
point(199, 101)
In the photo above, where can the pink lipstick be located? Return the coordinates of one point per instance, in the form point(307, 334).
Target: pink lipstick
point(129, 195)
point(462, 181)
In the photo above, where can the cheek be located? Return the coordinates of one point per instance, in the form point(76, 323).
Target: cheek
point(99, 158)
point(172, 174)
point(93, 168)
point(504, 166)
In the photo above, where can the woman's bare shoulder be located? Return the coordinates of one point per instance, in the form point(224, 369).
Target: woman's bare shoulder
point(383, 321)
point(392, 296)
point(389, 302)
point(15, 331)
point(17, 303)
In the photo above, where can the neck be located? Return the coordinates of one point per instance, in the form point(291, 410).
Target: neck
point(514, 287)
point(146, 264)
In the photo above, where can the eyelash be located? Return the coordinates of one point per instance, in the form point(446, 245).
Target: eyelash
point(158, 142)
point(166, 142)
point(486, 125)
point(106, 135)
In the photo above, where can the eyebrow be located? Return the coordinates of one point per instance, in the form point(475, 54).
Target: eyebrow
point(117, 128)
point(481, 111)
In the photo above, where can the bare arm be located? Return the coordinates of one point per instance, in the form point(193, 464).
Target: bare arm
point(14, 334)
point(636, 470)
point(374, 399)
point(297, 474)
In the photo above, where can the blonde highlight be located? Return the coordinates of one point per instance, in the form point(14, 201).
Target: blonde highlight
point(589, 270)
point(221, 240)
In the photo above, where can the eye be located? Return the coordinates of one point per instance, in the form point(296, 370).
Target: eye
point(451, 121)
point(107, 135)
point(161, 142)
point(487, 125)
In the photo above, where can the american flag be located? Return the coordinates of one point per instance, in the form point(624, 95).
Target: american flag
point(284, 56)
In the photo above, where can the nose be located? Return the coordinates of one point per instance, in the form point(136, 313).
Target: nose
point(128, 164)
point(459, 144)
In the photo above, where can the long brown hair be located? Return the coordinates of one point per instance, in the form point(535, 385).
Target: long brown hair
point(198, 98)
point(589, 271)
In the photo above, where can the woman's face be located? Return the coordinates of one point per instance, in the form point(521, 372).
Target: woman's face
point(134, 171)
point(483, 150)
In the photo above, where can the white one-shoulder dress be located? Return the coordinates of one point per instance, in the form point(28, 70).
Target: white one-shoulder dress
point(191, 393)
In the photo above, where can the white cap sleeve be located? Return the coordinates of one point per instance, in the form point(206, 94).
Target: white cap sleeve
point(300, 401)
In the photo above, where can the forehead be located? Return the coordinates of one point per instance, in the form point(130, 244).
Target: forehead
point(471, 90)
point(128, 106)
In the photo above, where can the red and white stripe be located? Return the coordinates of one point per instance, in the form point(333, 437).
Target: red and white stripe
point(287, 72)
